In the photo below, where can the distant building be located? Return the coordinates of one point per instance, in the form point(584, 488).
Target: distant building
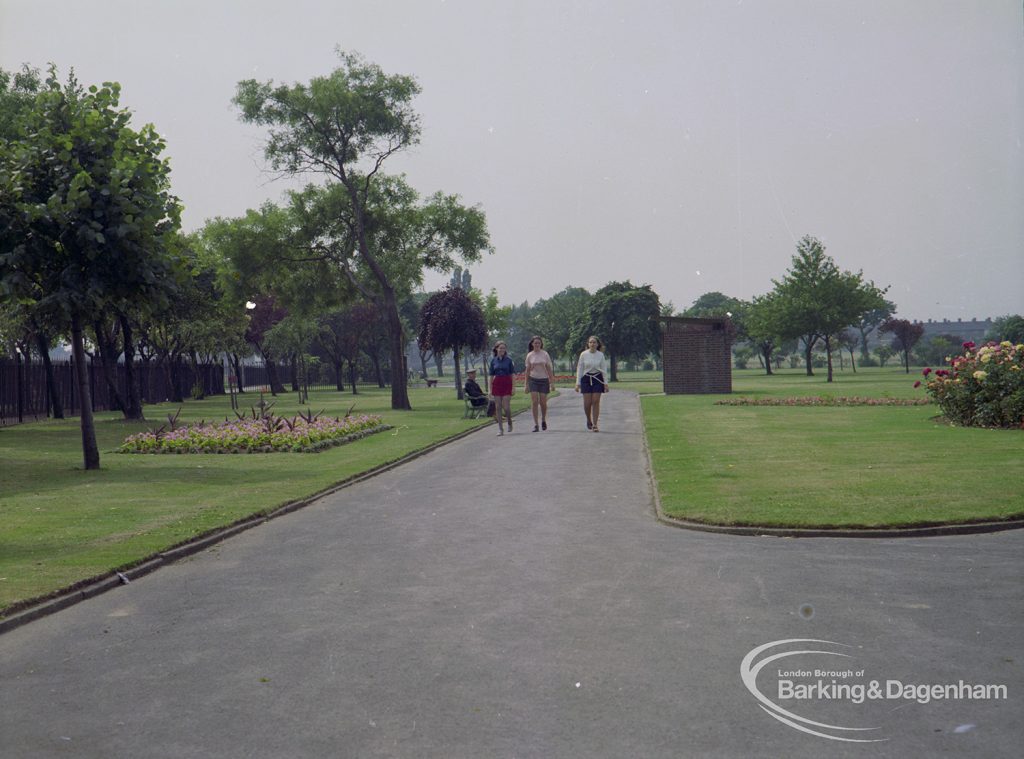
point(968, 329)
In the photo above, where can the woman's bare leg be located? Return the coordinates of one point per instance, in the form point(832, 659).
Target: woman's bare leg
point(535, 407)
point(595, 408)
point(588, 402)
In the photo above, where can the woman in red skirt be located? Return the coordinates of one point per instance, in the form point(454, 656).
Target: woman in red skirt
point(502, 387)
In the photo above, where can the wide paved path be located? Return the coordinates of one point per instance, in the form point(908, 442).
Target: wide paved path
point(515, 597)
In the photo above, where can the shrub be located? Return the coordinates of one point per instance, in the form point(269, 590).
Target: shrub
point(983, 387)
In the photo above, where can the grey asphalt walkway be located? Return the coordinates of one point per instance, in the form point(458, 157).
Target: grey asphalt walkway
point(516, 597)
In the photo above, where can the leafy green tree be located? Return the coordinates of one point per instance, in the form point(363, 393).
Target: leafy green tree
point(625, 317)
point(450, 320)
point(520, 328)
point(762, 325)
point(869, 322)
point(1009, 327)
point(933, 350)
point(18, 92)
point(86, 207)
point(553, 319)
point(816, 300)
point(905, 335)
point(355, 117)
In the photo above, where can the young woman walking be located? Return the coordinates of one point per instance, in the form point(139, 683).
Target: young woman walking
point(502, 388)
point(591, 371)
point(540, 376)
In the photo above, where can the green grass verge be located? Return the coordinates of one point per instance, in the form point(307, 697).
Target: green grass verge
point(828, 467)
point(60, 525)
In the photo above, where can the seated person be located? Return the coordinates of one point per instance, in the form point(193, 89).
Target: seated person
point(473, 392)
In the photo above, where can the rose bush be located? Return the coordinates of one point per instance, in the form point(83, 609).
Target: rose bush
point(983, 387)
point(267, 434)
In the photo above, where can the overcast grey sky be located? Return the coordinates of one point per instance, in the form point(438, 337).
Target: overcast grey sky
point(682, 144)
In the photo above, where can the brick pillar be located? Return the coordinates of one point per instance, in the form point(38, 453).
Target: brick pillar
point(696, 355)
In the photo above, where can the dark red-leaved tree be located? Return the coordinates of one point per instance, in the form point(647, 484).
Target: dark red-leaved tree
point(264, 316)
point(451, 321)
point(905, 335)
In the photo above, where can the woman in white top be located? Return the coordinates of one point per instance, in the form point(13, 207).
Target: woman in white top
point(590, 380)
point(540, 376)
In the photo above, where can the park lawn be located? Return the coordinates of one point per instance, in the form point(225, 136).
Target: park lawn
point(864, 466)
point(60, 525)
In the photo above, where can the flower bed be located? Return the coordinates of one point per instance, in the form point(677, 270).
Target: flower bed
point(824, 400)
point(983, 387)
point(267, 434)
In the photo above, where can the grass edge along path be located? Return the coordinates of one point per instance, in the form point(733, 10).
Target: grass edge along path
point(68, 552)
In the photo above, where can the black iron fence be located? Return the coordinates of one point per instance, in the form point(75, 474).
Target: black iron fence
point(24, 395)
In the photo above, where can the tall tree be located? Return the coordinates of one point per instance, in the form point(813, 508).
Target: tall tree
point(816, 300)
point(87, 206)
point(451, 320)
point(553, 319)
point(264, 315)
point(869, 322)
point(1009, 327)
point(625, 317)
point(763, 328)
point(905, 335)
point(355, 117)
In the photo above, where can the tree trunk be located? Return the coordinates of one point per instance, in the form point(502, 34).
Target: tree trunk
point(56, 407)
point(236, 362)
point(198, 388)
point(864, 353)
point(399, 375)
point(766, 351)
point(272, 374)
point(108, 360)
point(828, 357)
point(375, 357)
point(174, 379)
point(807, 355)
point(337, 376)
point(294, 365)
point(439, 364)
point(614, 364)
point(90, 451)
point(853, 364)
point(133, 405)
point(458, 378)
point(352, 375)
point(423, 364)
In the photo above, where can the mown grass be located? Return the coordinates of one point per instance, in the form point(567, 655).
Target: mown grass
point(60, 524)
point(828, 467)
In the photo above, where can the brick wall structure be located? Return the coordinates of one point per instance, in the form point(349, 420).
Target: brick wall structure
point(696, 355)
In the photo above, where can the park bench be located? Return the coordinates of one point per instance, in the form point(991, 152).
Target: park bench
point(431, 383)
point(473, 412)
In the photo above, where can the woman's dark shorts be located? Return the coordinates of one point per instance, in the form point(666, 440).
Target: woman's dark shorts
point(539, 385)
point(592, 383)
